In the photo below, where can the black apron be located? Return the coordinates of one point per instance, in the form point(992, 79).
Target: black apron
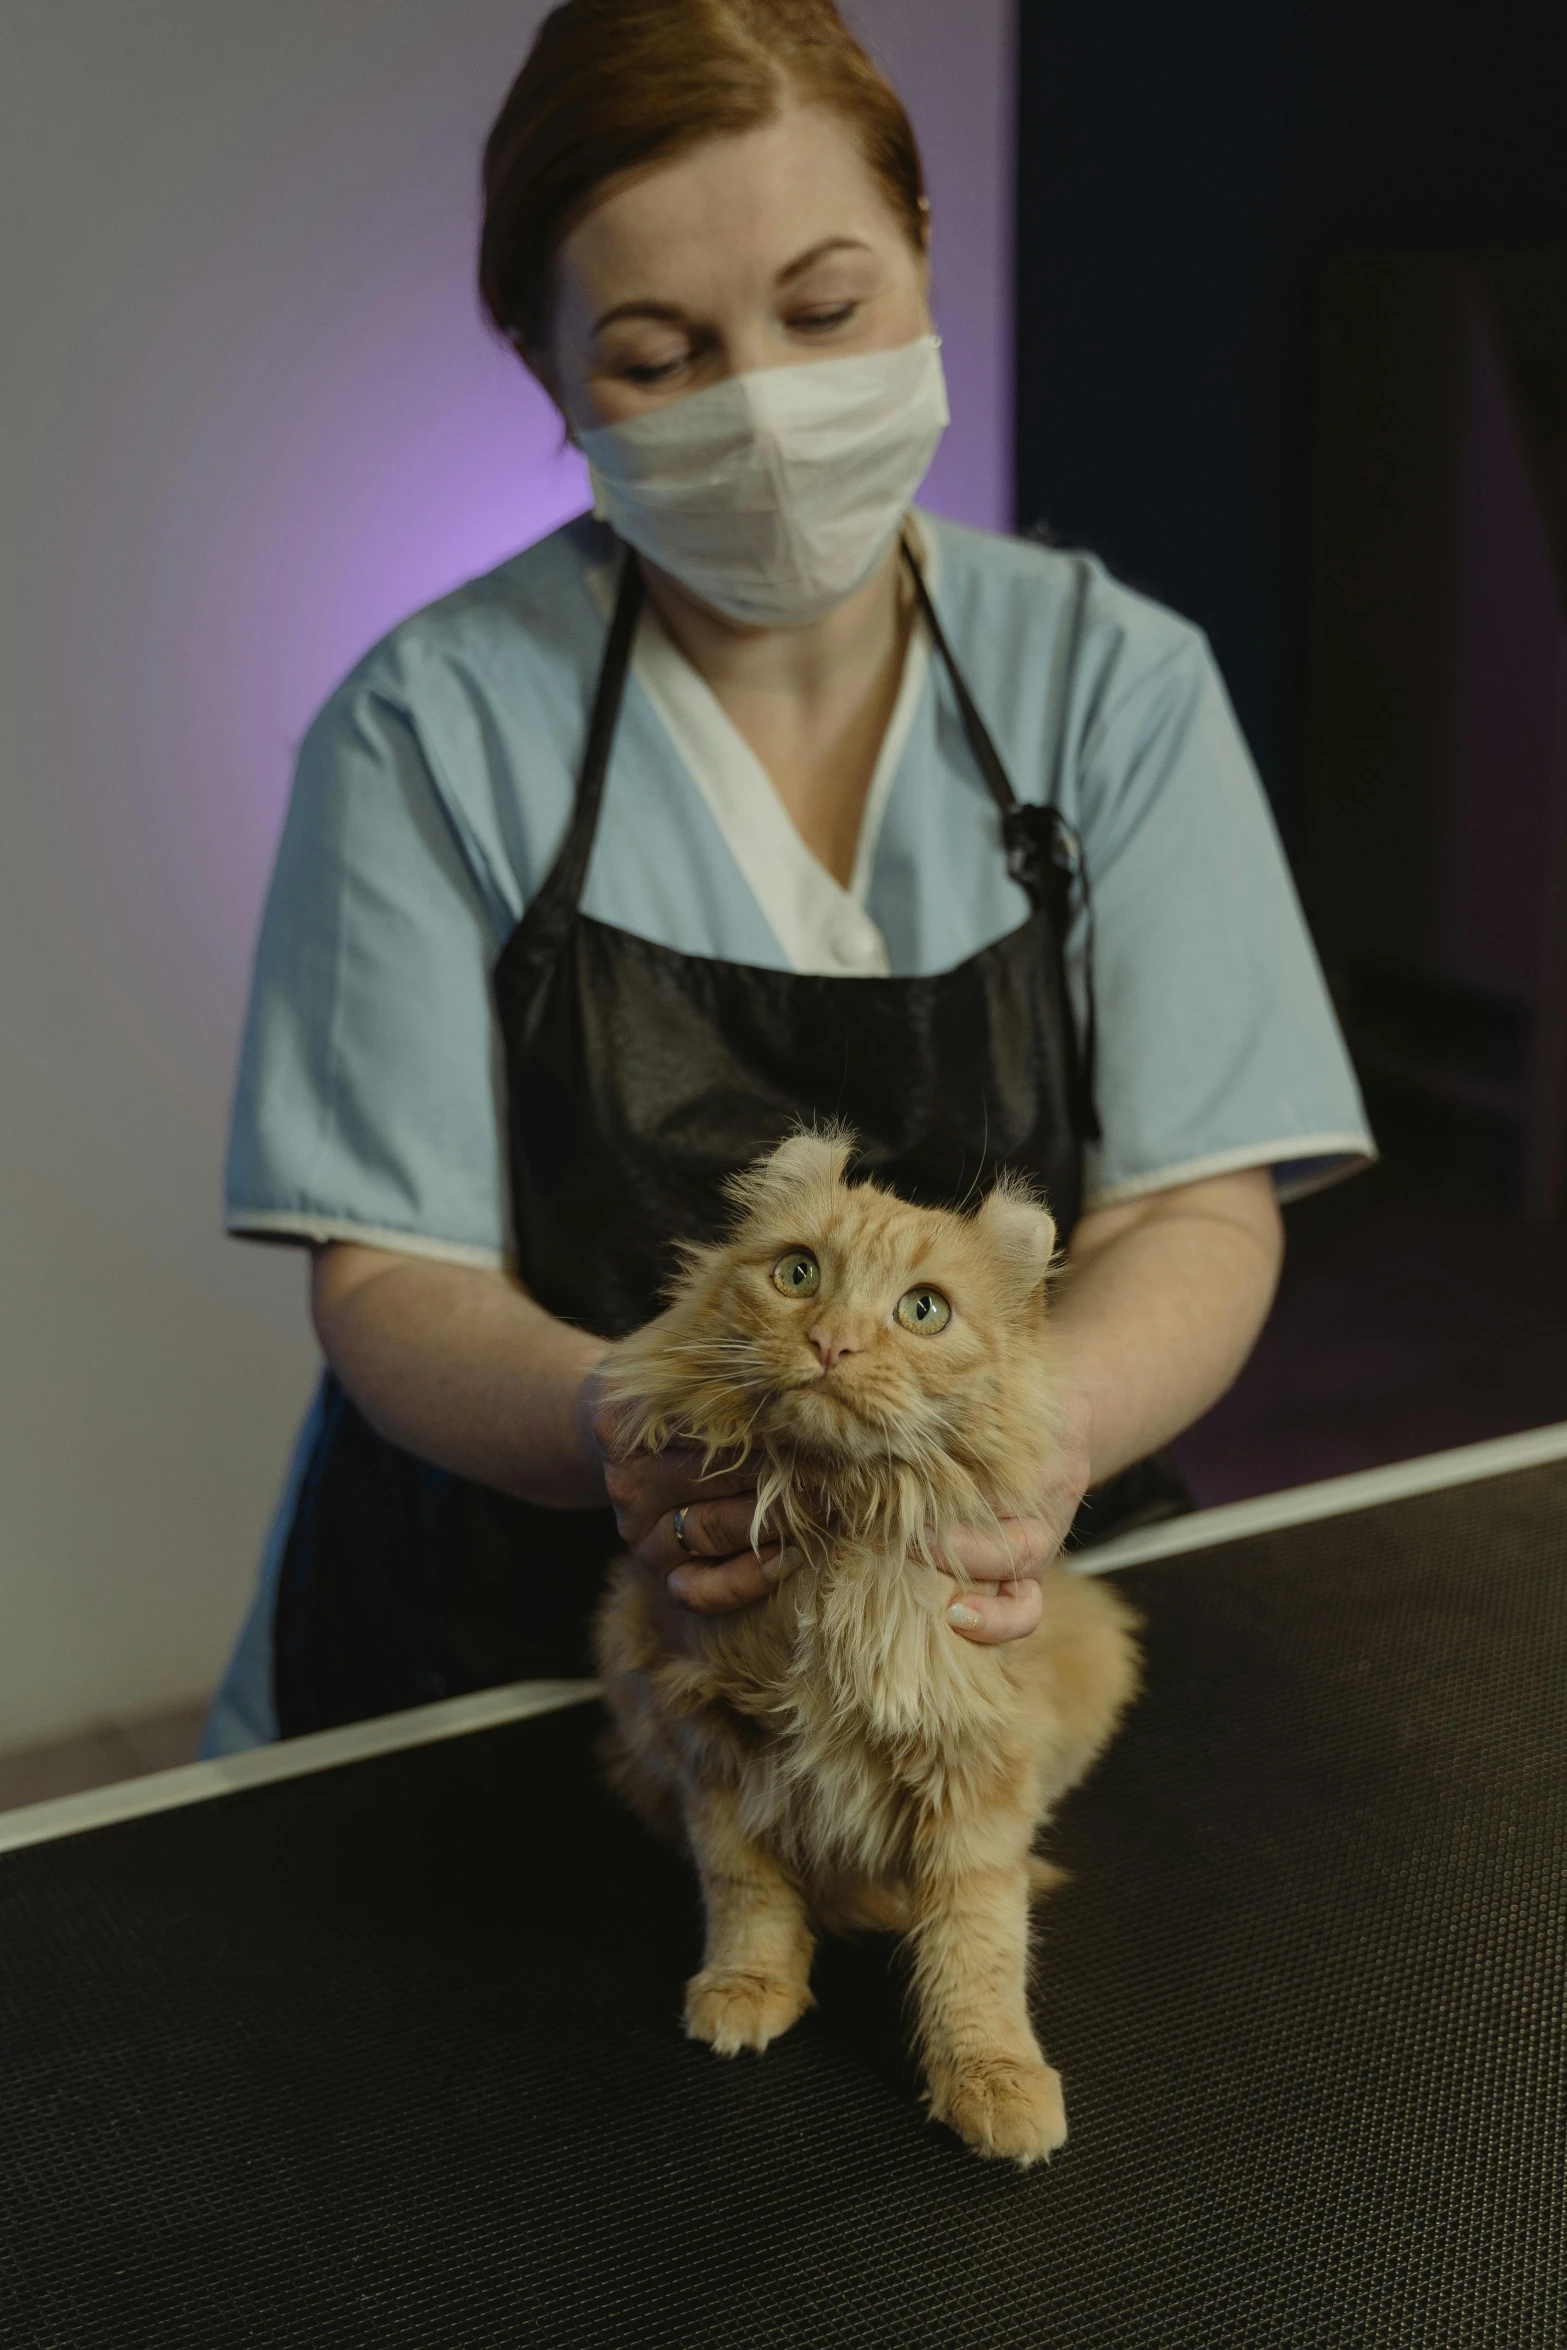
point(637, 1080)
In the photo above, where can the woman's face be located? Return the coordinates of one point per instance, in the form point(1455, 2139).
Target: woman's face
point(761, 250)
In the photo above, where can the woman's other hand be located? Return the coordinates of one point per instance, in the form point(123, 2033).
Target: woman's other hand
point(716, 1567)
point(1162, 1300)
point(1005, 1601)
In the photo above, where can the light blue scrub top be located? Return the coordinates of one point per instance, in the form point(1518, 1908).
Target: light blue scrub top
point(432, 795)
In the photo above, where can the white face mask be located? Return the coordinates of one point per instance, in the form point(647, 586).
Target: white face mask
point(775, 495)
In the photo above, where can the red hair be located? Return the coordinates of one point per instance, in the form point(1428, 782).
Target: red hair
point(614, 86)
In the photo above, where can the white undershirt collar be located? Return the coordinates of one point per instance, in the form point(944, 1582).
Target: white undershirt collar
point(822, 927)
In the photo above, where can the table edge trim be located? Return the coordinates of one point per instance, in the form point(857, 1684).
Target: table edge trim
point(1331, 1497)
point(455, 1717)
point(290, 1758)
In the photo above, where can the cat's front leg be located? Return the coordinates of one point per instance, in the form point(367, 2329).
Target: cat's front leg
point(756, 1971)
point(987, 2077)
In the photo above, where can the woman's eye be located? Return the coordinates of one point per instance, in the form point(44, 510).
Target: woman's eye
point(654, 371)
point(812, 322)
point(925, 1310)
point(798, 1274)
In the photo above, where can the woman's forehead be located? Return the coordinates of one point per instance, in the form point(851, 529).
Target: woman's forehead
point(748, 205)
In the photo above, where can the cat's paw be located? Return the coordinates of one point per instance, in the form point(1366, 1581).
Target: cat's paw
point(731, 2009)
point(1007, 2106)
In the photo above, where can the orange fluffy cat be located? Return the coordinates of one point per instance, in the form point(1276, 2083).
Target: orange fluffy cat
point(838, 1755)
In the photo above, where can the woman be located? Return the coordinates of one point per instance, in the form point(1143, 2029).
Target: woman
point(754, 796)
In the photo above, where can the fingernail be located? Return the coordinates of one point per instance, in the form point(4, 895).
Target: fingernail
point(790, 1557)
point(966, 1618)
point(674, 1586)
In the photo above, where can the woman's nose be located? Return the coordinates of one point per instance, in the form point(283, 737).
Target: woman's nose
point(830, 1347)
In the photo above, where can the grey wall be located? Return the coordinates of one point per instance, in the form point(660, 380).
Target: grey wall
point(250, 417)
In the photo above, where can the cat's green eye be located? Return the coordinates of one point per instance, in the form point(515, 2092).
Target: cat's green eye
point(798, 1274)
point(924, 1310)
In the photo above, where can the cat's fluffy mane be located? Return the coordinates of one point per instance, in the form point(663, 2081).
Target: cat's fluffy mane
point(920, 1434)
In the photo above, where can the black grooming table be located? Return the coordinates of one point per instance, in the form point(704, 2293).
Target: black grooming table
point(389, 2054)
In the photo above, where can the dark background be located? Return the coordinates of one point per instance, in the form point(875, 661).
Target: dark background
point(1183, 173)
point(1212, 396)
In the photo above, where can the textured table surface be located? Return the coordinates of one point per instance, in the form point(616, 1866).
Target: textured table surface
point(390, 2055)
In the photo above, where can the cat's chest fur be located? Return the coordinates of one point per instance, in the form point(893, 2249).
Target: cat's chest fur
point(866, 1714)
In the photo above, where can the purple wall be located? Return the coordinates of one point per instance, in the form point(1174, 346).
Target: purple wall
point(251, 418)
point(954, 68)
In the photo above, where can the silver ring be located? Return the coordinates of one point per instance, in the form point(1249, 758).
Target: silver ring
point(680, 1532)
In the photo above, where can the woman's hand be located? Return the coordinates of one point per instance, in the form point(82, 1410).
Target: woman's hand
point(1008, 1603)
point(1161, 1301)
point(716, 1568)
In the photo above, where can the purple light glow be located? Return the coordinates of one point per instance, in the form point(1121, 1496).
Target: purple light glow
point(256, 527)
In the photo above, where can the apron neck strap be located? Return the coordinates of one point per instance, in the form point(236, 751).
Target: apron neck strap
point(986, 757)
point(562, 890)
point(1044, 855)
point(1037, 837)
point(1026, 830)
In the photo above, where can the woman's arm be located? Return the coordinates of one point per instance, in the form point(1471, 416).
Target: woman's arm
point(1161, 1304)
point(463, 1368)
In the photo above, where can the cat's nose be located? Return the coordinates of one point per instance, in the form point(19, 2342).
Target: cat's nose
point(830, 1349)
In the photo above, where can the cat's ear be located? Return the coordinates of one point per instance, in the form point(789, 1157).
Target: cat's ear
point(1022, 1232)
point(813, 1157)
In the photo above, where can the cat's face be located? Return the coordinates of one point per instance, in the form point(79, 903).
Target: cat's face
point(864, 1326)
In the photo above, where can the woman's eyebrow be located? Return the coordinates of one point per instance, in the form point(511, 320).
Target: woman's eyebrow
point(670, 313)
point(804, 261)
